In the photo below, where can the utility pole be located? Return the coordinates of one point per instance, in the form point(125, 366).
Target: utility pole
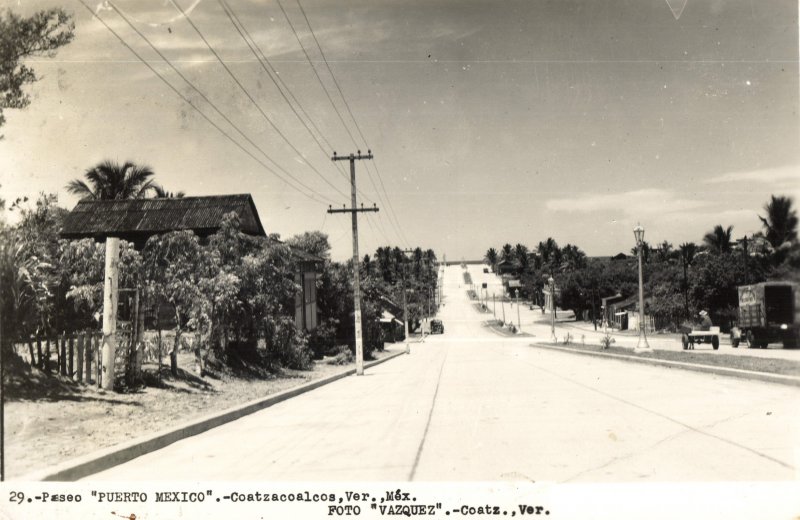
point(406, 252)
point(354, 211)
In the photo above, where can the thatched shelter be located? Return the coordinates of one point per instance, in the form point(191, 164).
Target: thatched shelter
point(137, 220)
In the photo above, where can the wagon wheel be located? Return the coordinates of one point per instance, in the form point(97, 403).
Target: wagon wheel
point(685, 341)
point(715, 342)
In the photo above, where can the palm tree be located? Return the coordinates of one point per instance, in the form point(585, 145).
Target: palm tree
point(780, 223)
point(520, 251)
point(572, 258)
point(719, 240)
point(111, 181)
point(548, 251)
point(664, 251)
point(507, 252)
point(491, 257)
point(161, 193)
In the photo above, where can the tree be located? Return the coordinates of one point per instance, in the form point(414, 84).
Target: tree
point(174, 265)
point(719, 239)
point(712, 285)
point(111, 181)
point(491, 257)
point(506, 253)
point(780, 223)
point(312, 242)
point(20, 38)
point(572, 258)
point(161, 193)
point(550, 254)
point(687, 252)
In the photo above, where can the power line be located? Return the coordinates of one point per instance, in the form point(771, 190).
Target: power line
point(302, 47)
point(355, 122)
point(275, 78)
point(252, 100)
point(210, 103)
point(190, 103)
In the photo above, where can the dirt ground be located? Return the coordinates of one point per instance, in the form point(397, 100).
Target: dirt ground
point(49, 420)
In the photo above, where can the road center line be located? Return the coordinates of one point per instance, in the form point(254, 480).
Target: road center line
point(430, 415)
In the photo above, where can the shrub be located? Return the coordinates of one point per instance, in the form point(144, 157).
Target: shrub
point(322, 340)
point(343, 356)
point(606, 341)
point(286, 347)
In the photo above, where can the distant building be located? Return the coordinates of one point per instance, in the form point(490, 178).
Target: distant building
point(507, 267)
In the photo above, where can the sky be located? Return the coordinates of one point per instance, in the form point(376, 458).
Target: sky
point(490, 121)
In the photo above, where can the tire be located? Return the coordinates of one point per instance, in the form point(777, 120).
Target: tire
point(715, 342)
point(685, 341)
point(752, 340)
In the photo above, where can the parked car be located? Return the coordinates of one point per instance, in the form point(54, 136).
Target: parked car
point(437, 327)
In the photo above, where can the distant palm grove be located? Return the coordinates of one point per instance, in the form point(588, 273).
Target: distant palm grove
point(232, 295)
point(678, 281)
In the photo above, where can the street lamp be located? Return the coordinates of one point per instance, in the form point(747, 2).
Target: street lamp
point(642, 345)
point(519, 322)
point(552, 284)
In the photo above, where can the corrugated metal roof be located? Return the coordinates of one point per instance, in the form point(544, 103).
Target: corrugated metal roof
point(138, 219)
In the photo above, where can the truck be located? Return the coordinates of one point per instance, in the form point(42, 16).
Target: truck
point(769, 312)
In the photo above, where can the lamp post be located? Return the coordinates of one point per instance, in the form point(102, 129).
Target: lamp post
point(519, 321)
point(641, 345)
point(552, 283)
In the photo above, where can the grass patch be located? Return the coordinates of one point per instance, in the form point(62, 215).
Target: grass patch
point(714, 359)
point(504, 330)
point(481, 308)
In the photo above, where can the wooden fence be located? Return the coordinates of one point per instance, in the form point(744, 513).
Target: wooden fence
point(73, 355)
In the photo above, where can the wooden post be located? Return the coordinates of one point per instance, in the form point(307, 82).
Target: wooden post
point(139, 325)
point(110, 300)
point(40, 360)
point(63, 365)
point(30, 350)
point(47, 356)
point(80, 357)
point(159, 351)
point(87, 353)
point(58, 353)
point(98, 366)
point(71, 356)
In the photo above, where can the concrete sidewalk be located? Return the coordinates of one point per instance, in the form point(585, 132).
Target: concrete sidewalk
point(107, 458)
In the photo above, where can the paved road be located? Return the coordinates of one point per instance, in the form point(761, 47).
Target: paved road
point(472, 405)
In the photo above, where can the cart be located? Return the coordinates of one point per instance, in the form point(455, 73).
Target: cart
point(701, 336)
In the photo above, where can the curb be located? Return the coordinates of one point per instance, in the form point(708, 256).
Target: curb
point(709, 369)
point(113, 456)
